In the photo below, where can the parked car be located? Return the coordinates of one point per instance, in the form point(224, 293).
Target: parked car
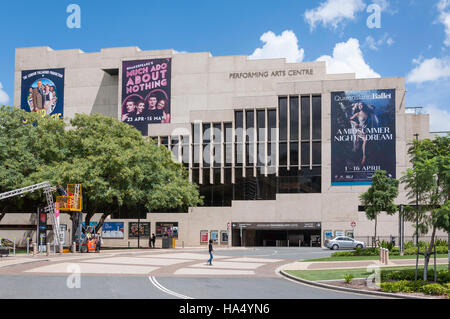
point(343, 242)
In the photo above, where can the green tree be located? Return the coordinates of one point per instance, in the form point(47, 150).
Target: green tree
point(28, 142)
point(441, 218)
point(119, 168)
point(380, 197)
point(428, 184)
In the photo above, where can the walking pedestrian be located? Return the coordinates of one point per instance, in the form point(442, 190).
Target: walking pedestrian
point(211, 250)
point(153, 240)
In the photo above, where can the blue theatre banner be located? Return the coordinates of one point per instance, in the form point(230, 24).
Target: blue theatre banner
point(43, 91)
point(362, 135)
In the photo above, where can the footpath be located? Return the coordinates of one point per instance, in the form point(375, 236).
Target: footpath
point(18, 259)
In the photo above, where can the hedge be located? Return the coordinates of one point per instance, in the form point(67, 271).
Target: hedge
point(443, 276)
point(394, 252)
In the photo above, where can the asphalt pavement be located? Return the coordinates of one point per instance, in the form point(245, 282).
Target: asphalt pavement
point(163, 274)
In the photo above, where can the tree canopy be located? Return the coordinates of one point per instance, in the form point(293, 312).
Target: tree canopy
point(115, 164)
point(428, 183)
point(380, 196)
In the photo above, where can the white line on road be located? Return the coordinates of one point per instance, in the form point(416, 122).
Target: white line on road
point(167, 291)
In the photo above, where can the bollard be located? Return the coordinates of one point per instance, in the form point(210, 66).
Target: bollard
point(182, 244)
point(54, 247)
point(28, 245)
point(74, 247)
point(47, 248)
point(34, 249)
point(381, 255)
point(386, 259)
point(14, 247)
point(61, 249)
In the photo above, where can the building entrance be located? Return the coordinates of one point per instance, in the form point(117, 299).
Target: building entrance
point(277, 234)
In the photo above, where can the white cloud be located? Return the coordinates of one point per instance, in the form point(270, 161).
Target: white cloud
point(375, 44)
point(348, 58)
point(179, 52)
point(444, 18)
point(385, 6)
point(439, 119)
point(4, 98)
point(429, 70)
point(279, 46)
point(333, 12)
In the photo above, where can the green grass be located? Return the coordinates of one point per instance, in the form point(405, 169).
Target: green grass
point(351, 258)
point(336, 274)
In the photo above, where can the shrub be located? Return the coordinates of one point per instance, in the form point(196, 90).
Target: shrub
point(396, 286)
point(402, 286)
point(409, 244)
point(387, 244)
point(441, 242)
point(443, 276)
point(348, 278)
point(433, 289)
point(413, 250)
point(342, 254)
point(398, 275)
point(366, 251)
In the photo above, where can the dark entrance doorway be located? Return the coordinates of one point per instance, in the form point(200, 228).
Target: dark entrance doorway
point(277, 234)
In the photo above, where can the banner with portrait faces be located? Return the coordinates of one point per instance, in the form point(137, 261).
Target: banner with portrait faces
point(146, 92)
point(362, 136)
point(43, 91)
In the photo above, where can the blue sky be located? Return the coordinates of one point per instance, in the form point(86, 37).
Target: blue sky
point(413, 39)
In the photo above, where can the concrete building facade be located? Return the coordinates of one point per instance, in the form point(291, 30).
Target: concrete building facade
point(220, 92)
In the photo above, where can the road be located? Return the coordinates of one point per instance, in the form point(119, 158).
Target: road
point(164, 274)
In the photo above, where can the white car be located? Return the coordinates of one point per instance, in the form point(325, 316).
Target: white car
point(344, 242)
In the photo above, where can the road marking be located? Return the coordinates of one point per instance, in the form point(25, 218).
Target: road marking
point(256, 260)
point(229, 265)
point(90, 268)
point(138, 261)
point(167, 291)
point(214, 272)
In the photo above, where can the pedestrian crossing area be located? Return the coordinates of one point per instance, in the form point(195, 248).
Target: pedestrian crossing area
point(154, 264)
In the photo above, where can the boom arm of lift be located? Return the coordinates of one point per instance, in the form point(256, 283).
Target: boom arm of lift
point(50, 208)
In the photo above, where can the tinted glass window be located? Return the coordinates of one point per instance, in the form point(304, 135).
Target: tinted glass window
point(271, 124)
point(305, 154)
point(250, 125)
point(293, 117)
point(282, 118)
point(283, 154)
point(305, 117)
point(294, 154)
point(238, 125)
point(317, 117)
point(317, 153)
point(261, 132)
point(206, 133)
